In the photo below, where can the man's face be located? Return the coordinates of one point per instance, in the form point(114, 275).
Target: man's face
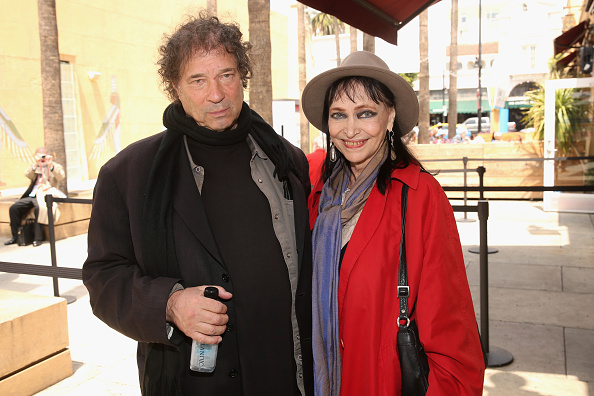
point(211, 91)
point(41, 155)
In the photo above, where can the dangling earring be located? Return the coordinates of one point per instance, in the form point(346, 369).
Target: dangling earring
point(332, 153)
point(391, 138)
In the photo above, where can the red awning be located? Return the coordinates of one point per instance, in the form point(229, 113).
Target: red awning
point(379, 18)
point(568, 58)
point(571, 38)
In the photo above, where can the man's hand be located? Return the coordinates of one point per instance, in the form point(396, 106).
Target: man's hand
point(44, 160)
point(200, 318)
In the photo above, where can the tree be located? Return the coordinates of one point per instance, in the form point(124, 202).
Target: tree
point(322, 24)
point(353, 38)
point(453, 92)
point(337, 40)
point(211, 7)
point(368, 43)
point(424, 78)
point(409, 77)
point(53, 118)
point(570, 111)
point(325, 25)
point(303, 123)
point(261, 82)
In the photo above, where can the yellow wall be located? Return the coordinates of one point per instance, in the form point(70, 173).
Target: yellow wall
point(20, 82)
point(118, 39)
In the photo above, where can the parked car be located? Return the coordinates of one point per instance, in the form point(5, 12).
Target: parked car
point(472, 124)
point(442, 129)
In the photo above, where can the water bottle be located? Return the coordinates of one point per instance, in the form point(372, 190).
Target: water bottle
point(203, 357)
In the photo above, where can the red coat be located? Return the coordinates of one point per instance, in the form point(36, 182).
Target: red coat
point(316, 160)
point(368, 305)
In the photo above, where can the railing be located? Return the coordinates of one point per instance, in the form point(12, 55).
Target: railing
point(43, 270)
point(481, 170)
point(496, 357)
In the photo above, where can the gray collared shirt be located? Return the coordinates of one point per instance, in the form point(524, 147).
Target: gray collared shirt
point(283, 222)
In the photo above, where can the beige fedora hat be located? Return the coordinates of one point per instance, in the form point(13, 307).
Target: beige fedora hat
point(364, 64)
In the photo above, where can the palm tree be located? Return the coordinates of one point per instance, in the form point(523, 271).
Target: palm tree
point(453, 92)
point(337, 40)
point(368, 43)
point(325, 25)
point(53, 119)
point(261, 82)
point(211, 7)
point(322, 24)
point(353, 37)
point(303, 123)
point(423, 78)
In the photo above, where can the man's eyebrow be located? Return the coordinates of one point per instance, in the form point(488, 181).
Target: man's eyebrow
point(197, 75)
point(222, 71)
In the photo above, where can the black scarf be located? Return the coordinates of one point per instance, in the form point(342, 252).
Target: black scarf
point(165, 368)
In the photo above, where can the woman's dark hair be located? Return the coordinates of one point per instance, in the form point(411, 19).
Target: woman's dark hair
point(202, 33)
point(379, 93)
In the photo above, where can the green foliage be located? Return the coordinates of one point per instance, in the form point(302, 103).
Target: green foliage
point(570, 111)
point(323, 24)
point(568, 114)
point(409, 77)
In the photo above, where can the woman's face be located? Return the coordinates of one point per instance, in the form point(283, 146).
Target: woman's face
point(358, 128)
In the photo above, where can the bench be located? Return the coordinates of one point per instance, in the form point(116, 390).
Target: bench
point(74, 217)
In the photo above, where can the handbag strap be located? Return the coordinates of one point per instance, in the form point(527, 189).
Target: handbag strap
point(403, 289)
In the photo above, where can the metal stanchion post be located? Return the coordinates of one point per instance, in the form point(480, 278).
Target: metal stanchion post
point(465, 219)
point(496, 357)
point(481, 172)
point(49, 201)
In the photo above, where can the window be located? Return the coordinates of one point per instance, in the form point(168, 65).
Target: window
point(492, 15)
point(73, 168)
point(529, 56)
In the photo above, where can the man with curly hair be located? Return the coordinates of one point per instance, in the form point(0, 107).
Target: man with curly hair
point(218, 199)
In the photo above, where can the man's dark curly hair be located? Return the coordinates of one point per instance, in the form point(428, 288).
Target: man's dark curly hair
point(197, 34)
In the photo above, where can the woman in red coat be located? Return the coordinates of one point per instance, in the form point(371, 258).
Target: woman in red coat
point(364, 109)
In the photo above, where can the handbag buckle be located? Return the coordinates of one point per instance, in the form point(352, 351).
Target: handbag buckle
point(403, 291)
point(403, 325)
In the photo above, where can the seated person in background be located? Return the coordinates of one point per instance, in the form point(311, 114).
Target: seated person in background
point(475, 138)
point(44, 174)
point(316, 160)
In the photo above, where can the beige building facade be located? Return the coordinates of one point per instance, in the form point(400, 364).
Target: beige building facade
point(110, 87)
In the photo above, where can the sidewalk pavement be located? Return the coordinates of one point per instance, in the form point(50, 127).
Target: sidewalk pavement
point(541, 299)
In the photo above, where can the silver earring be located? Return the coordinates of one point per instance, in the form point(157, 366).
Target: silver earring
point(391, 138)
point(332, 153)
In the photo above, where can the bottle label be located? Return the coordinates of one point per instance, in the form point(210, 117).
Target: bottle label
point(204, 357)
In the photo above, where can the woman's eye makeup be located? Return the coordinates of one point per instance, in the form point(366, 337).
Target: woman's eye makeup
point(361, 114)
point(366, 114)
point(338, 116)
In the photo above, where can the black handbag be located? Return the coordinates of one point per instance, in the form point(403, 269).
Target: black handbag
point(26, 233)
point(414, 367)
